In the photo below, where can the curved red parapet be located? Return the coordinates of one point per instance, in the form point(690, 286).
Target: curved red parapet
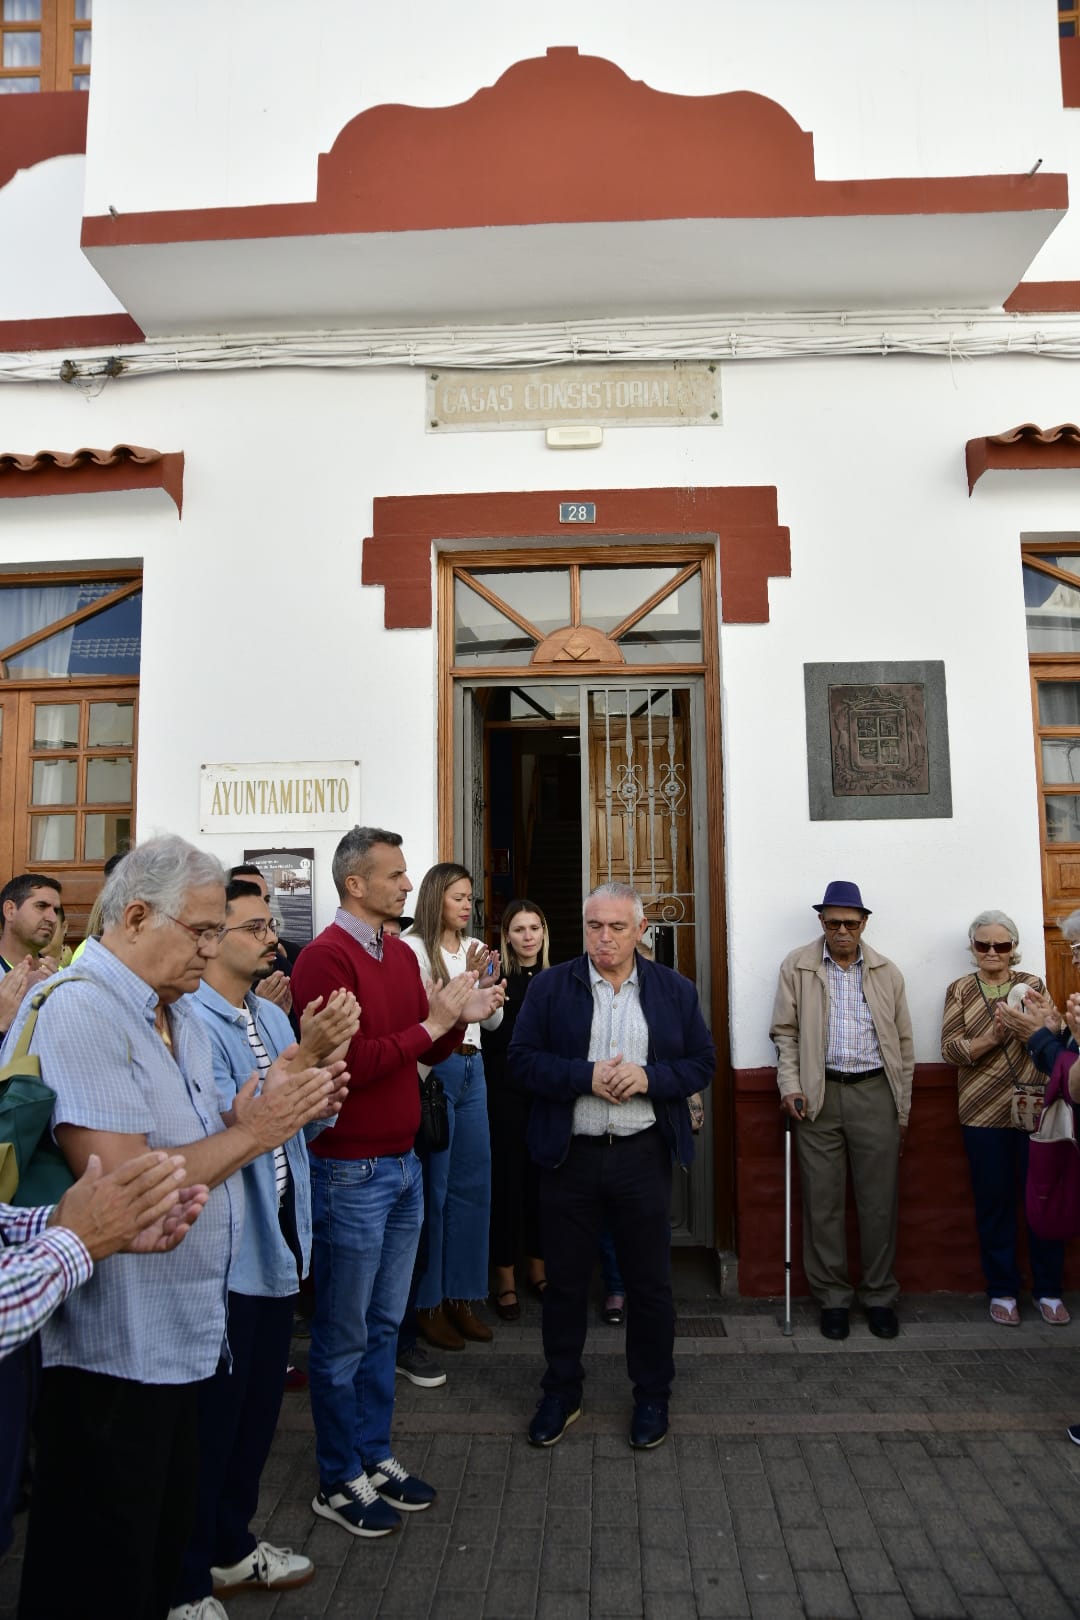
point(566, 138)
point(33, 128)
point(79, 472)
point(1024, 449)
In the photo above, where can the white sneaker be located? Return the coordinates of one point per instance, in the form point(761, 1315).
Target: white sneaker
point(277, 1568)
point(205, 1609)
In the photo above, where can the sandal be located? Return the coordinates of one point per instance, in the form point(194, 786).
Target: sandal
point(506, 1313)
point(536, 1287)
point(1053, 1311)
point(1004, 1312)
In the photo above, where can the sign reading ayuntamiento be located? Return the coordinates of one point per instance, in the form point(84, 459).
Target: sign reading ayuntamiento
point(304, 796)
point(673, 393)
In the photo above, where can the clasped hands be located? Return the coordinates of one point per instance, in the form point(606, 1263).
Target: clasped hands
point(1037, 1012)
point(617, 1081)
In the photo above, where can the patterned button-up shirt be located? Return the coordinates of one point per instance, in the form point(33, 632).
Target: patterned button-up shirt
point(618, 1027)
point(155, 1318)
point(38, 1270)
point(851, 1044)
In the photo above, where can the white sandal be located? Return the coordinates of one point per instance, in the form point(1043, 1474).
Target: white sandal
point(1004, 1312)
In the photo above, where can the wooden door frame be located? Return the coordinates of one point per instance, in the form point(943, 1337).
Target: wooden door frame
point(504, 554)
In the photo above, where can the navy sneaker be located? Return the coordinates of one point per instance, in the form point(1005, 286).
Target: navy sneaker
point(356, 1505)
point(551, 1420)
point(400, 1488)
point(650, 1424)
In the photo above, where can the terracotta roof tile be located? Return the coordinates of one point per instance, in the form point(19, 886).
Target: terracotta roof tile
point(61, 472)
point(1025, 448)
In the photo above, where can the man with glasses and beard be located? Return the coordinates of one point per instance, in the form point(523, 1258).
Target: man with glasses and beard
point(845, 1060)
point(239, 1406)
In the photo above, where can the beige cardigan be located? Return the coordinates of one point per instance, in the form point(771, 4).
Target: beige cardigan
point(800, 1023)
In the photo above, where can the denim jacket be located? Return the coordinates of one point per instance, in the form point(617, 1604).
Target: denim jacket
point(263, 1264)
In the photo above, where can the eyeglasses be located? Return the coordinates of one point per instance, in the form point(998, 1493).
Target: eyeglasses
point(258, 928)
point(202, 936)
point(1002, 947)
point(834, 927)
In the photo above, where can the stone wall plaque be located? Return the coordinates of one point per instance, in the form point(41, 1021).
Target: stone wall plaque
point(669, 393)
point(877, 741)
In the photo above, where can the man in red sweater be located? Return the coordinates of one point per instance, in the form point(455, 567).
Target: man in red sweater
point(367, 1198)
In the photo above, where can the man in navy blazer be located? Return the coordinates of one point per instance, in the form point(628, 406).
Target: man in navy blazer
point(610, 1045)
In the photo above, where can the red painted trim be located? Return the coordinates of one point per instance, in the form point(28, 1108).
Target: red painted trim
point(753, 546)
point(33, 128)
point(69, 331)
point(563, 138)
point(936, 1242)
point(1069, 51)
point(1024, 449)
point(91, 472)
point(1044, 297)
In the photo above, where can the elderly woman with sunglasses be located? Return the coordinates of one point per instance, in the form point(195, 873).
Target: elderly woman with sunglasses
point(998, 1086)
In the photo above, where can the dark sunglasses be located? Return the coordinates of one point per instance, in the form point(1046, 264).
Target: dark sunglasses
point(1002, 947)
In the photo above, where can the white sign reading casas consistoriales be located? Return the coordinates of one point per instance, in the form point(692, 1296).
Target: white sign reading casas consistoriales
point(299, 796)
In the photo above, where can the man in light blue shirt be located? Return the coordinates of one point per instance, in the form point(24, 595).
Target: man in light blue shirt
point(239, 1406)
point(129, 1060)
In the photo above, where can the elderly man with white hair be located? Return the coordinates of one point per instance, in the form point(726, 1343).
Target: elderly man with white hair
point(129, 1060)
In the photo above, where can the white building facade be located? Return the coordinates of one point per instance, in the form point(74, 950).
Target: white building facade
point(773, 589)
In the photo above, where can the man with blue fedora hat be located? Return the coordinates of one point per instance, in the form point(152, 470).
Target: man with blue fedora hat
point(844, 1065)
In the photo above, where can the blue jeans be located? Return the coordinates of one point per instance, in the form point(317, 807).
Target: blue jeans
point(366, 1216)
point(459, 1196)
point(998, 1159)
point(609, 1265)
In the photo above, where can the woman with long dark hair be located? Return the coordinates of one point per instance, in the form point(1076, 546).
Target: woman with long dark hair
point(515, 1203)
point(459, 1186)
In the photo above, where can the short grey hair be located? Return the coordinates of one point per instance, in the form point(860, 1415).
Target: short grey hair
point(617, 891)
point(159, 873)
point(352, 853)
point(997, 919)
point(1070, 927)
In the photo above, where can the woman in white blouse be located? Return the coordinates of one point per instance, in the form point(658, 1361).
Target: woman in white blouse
point(459, 1196)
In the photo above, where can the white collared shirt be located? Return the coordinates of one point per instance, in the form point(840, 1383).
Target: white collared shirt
point(618, 1027)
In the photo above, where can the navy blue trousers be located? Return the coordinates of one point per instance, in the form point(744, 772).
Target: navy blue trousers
point(238, 1413)
point(998, 1161)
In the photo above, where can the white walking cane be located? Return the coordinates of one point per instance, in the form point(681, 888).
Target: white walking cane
point(788, 1126)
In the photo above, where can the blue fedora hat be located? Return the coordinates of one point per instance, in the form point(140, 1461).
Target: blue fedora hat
point(839, 893)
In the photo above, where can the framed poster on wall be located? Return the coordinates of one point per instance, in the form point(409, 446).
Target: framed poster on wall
point(289, 874)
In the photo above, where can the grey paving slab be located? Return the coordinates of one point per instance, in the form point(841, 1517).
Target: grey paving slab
point(926, 1477)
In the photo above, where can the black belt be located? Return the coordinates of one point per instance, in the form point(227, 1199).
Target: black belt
point(852, 1078)
point(610, 1139)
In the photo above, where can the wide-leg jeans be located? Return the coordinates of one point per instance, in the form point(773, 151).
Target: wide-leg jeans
point(998, 1158)
point(459, 1201)
point(366, 1216)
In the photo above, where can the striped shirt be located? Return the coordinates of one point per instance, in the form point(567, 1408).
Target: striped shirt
point(986, 1087)
point(152, 1318)
point(618, 1026)
point(262, 1063)
point(851, 1043)
point(39, 1268)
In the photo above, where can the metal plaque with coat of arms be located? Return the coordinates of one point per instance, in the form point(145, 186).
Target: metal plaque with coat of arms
point(878, 739)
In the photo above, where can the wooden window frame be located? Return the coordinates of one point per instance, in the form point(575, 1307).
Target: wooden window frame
point(57, 69)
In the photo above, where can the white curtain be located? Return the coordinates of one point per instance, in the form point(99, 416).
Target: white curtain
point(26, 609)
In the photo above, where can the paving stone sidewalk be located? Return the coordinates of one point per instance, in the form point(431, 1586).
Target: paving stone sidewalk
point(926, 1477)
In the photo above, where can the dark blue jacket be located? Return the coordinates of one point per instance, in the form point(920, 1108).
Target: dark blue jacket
point(549, 1053)
point(1045, 1047)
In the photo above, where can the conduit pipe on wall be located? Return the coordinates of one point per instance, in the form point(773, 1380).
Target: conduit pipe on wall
point(949, 335)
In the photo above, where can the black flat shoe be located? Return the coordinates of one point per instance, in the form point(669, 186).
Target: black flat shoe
point(834, 1323)
point(506, 1312)
point(881, 1320)
point(536, 1289)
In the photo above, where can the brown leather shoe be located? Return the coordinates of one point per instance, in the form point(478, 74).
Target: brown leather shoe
point(468, 1324)
point(437, 1328)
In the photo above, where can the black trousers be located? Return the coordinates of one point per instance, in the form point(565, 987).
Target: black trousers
point(625, 1185)
point(114, 1496)
point(515, 1182)
point(238, 1413)
point(20, 1374)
